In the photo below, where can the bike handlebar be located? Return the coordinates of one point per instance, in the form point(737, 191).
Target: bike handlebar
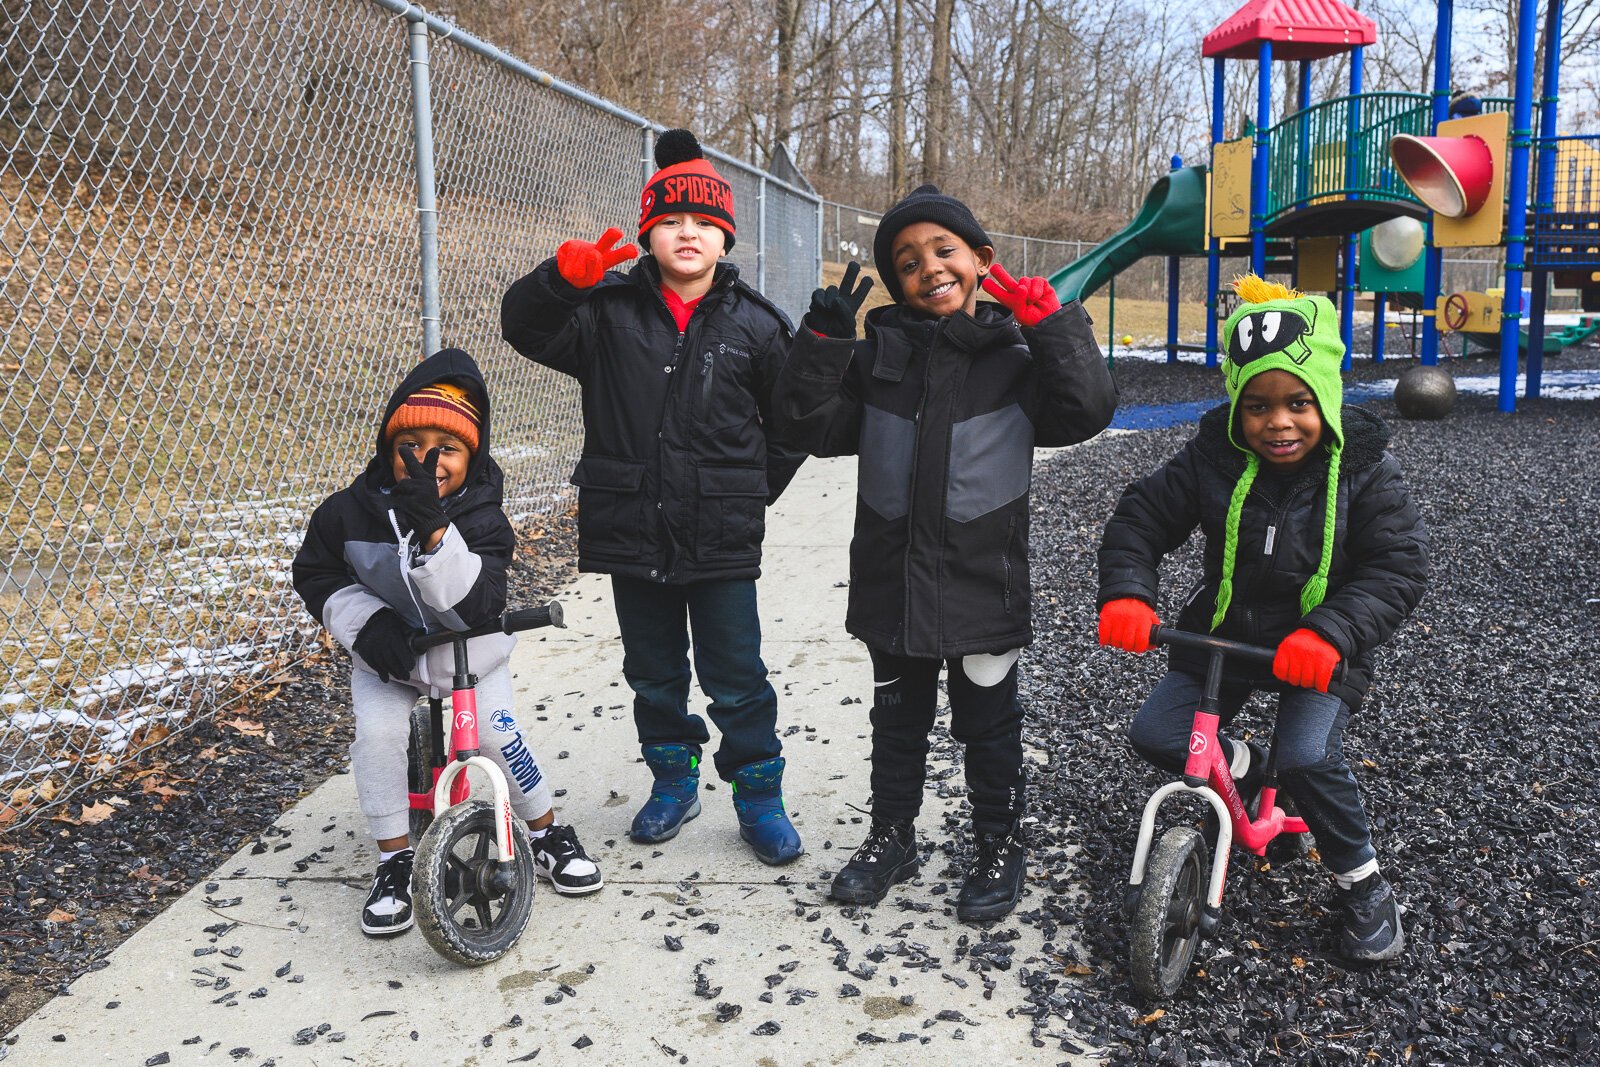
point(1166, 635)
point(511, 622)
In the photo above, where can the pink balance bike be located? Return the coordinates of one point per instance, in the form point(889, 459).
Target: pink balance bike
point(473, 876)
point(1171, 900)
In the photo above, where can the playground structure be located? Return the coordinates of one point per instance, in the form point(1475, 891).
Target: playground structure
point(1363, 191)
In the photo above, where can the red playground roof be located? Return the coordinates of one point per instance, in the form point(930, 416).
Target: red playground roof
point(1298, 29)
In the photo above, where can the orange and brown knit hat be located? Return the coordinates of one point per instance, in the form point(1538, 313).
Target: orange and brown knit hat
point(440, 406)
point(686, 182)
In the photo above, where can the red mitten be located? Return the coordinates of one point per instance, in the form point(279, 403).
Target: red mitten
point(1305, 659)
point(1126, 624)
point(584, 263)
point(1030, 299)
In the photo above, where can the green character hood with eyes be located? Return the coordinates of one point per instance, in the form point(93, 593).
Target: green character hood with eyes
point(1276, 328)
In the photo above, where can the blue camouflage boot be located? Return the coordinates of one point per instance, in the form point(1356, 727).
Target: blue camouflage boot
point(763, 822)
point(675, 797)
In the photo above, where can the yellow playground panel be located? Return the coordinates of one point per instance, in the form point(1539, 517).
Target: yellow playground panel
point(1469, 312)
point(1327, 172)
point(1482, 228)
point(1230, 188)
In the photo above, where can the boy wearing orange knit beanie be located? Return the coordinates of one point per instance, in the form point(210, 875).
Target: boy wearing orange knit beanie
point(676, 359)
point(419, 543)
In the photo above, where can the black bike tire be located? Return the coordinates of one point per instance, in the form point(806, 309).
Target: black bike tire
point(419, 767)
point(1177, 873)
point(436, 917)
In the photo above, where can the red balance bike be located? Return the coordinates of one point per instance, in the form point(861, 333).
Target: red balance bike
point(1171, 899)
point(473, 877)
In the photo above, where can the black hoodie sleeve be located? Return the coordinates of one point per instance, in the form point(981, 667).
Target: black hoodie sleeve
point(1388, 550)
point(1155, 516)
point(550, 321)
point(1072, 395)
point(816, 400)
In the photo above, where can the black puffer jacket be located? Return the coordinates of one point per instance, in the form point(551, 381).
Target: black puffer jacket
point(944, 414)
point(1380, 552)
point(354, 562)
point(679, 462)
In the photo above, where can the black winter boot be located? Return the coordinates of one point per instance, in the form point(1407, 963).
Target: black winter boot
point(887, 856)
point(1372, 932)
point(995, 884)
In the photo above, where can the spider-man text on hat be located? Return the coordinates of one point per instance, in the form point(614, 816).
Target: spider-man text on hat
point(686, 182)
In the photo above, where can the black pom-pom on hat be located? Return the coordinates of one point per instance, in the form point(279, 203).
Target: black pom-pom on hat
point(677, 146)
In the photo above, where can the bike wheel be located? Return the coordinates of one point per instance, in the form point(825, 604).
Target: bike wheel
point(1166, 921)
point(464, 915)
point(419, 767)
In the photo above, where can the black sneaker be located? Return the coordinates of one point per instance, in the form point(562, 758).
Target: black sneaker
point(388, 908)
point(1372, 932)
point(887, 856)
point(560, 860)
point(995, 884)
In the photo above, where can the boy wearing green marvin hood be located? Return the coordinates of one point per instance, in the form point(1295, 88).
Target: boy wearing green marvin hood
point(1313, 545)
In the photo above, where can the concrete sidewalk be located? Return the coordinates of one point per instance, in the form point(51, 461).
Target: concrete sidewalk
point(264, 962)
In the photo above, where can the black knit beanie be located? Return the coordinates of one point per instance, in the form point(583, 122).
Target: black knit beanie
point(925, 204)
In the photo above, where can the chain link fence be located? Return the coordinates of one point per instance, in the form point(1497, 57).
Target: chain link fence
point(219, 228)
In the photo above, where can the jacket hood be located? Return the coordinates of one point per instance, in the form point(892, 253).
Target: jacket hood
point(450, 365)
point(989, 324)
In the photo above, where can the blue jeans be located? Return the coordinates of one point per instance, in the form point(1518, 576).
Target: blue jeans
point(656, 622)
point(1311, 765)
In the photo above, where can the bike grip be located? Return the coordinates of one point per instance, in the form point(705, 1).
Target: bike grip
point(532, 618)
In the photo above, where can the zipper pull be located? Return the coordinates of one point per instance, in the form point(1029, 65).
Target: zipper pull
point(1272, 538)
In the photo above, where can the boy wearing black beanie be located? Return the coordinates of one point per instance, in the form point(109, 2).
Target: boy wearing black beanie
point(676, 359)
point(944, 402)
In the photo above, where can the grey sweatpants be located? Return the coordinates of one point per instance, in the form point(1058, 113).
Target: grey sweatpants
point(378, 754)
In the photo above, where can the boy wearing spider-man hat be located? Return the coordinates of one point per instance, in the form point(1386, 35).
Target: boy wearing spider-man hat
point(1313, 546)
point(676, 360)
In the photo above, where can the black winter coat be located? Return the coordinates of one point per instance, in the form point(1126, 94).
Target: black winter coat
point(679, 461)
point(1380, 554)
point(944, 414)
point(354, 562)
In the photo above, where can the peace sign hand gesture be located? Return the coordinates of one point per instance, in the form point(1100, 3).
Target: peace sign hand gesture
point(1030, 299)
point(833, 310)
point(584, 263)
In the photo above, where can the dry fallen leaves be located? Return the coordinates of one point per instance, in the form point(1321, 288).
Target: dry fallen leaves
point(1152, 1017)
point(91, 814)
point(248, 727)
point(58, 916)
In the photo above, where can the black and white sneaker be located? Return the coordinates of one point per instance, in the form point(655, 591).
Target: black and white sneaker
point(561, 861)
point(1372, 932)
point(388, 908)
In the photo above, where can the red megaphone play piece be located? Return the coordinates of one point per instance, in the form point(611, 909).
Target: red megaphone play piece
point(1450, 175)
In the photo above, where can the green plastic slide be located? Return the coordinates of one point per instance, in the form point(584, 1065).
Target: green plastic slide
point(1171, 222)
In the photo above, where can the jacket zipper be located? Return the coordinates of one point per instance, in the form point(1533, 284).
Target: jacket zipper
point(1011, 536)
point(911, 494)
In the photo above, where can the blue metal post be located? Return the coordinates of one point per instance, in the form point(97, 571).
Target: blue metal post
point(1303, 171)
point(1258, 162)
point(1517, 198)
point(1213, 259)
point(427, 205)
point(1172, 292)
point(1377, 327)
point(1545, 191)
point(1432, 261)
point(1352, 160)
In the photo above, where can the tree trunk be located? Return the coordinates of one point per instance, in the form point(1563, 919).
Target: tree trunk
point(897, 100)
point(935, 141)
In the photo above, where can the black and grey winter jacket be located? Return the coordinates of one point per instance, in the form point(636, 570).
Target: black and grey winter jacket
point(1380, 553)
point(944, 414)
point(354, 559)
point(679, 458)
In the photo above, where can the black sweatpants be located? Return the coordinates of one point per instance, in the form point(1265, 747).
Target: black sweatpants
point(987, 719)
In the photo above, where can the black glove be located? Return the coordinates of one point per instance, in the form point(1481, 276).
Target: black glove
point(384, 642)
point(833, 310)
point(416, 498)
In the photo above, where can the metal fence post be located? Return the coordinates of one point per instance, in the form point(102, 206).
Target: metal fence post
point(761, 235)
point(427, 207)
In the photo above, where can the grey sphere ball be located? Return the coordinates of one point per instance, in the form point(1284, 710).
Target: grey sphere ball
point(1425, 393)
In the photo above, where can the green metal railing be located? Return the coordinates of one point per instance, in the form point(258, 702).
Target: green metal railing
point(1339, 147)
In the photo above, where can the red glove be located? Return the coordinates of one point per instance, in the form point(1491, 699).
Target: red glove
point(1305, 659)
point(1030, 299)
point(1126, 624)
point(583, 264)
